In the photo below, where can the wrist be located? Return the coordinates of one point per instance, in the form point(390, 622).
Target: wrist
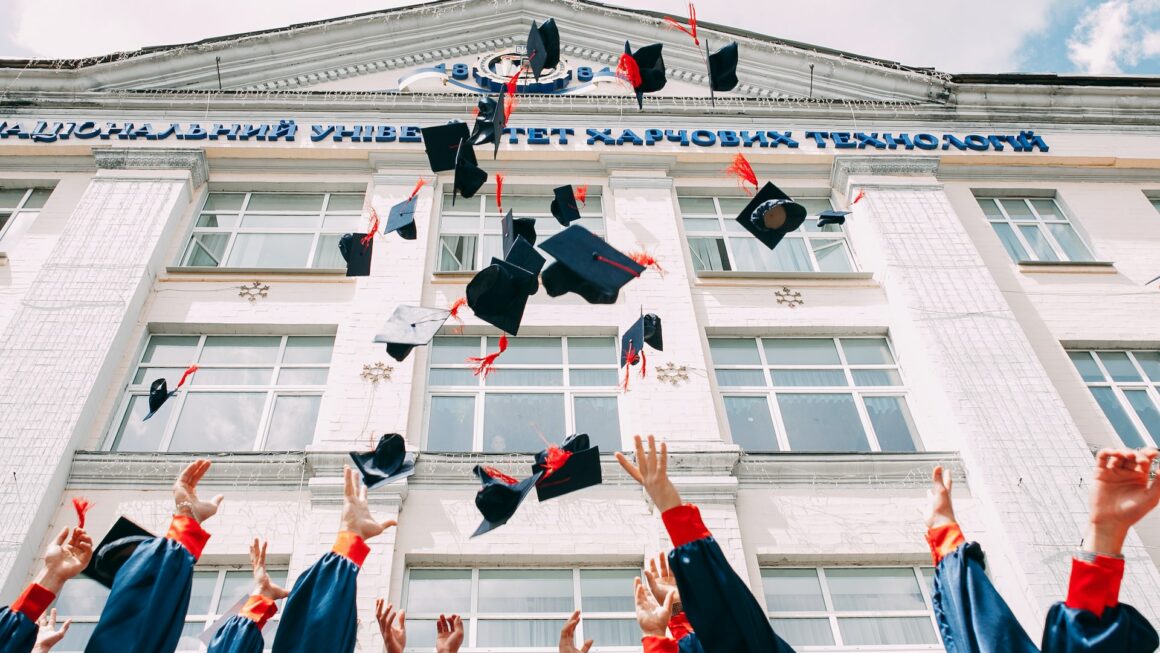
point(51, 581)
point(652, 632)
point(1104, 539)
point(185, 509)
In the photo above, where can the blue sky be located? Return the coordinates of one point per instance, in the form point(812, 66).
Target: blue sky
point(1062, 36)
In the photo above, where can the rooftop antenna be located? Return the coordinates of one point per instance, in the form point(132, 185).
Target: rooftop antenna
point(218, 63)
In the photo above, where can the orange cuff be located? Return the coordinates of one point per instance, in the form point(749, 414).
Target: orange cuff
point(684, 524)
point(659, 644)
point(679, 626)
point(189, 534)
point(259, 609)
point(351, 546)
point(943, 541)
point(1095, 585)
point(33, 601)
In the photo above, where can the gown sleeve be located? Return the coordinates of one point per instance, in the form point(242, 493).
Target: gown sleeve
point(1093, 620)
point(320, 613)
point(659, 645)
point(242, 633)
point(145, 612)
point(681, 630)
point(18, 622)
point(972, 616)
point(723, 612)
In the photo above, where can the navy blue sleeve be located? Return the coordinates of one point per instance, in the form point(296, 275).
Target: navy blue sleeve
point(972, 616)
point(320, 612)
point(146, 608)
point(1121, 629)
point(690, 644)
point(239, 635)
point(17, 632)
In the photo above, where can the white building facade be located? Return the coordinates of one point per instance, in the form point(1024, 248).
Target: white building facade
point(985, 307)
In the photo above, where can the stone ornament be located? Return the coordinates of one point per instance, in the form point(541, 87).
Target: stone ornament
point(376, 372)
point(254, 291)
point(790, 298)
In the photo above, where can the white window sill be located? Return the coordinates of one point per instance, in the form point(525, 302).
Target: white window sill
point(1067, 267)
point(453, 277)
point(178, 270)
point(780, 277)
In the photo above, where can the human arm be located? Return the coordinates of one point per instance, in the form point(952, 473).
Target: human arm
point(568, 636)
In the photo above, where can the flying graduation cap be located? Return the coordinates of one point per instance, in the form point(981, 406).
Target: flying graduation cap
point(543, 47)
point(402, 216)
point(490, 122)
point(410, 327)
point(114, 550)
point(356, 251)
point(643, 69)
point(722, 68)
point(771, 214)
point(587, 266)
point(159, 392)
point(645, 331)
point(442, 144)
point(388, 462)
point(469, 177)
point(499, 497)
point(573, 466)
point(565, 207)
point(514, 227)
point(827, 218)
point(498, 294)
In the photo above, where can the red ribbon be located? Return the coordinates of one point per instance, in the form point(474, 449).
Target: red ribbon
point(692, 29)
point(366, 240)
point(555, 460)
point(189, 370)
point(485, 364)
point(628, 70)
point(499, 192)
point(415, 192)
point(497, 475)
point(582, 194)
point(615, 264)
point(741, 169)
point(861, 195)
point(629, 359)
point(647, 260)
point(81, 505)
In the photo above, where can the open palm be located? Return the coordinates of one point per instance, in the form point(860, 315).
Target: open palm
point(356, 513)
point(185, 492)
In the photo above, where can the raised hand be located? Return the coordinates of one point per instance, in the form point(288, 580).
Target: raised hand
point(1122, 494)
point(942, 511)
point(652, 471)
point(661, 581)
point(265, 586)
point(185, 493)
point(568, 636)
point(48, 636)
point(652, 617)
point(394, 634)
point(448, 634)
point(65, 557)
point(356, 514)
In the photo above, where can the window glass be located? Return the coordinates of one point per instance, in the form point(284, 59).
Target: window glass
point(822, 422)
point(792, 590)
point(439, 591)
point(750, 423)
point(801, 351)
point(530, 590)
point(1034, 229)
point(521, 422)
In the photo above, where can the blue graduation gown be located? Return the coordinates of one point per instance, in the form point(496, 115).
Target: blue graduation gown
point(320, 614)
point(1119, 630)
point(725, 616)
point(17, 632)
point(690, 644)
point(972, 616)
point(239, 635)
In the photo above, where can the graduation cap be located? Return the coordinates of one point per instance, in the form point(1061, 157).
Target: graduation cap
point(543, 47)
point(722, 68)
point(498, 294)
point(490, 122)
point(524, 256)
point(572, 466)
point(114, 550)
point(500, 497)
point(402, 215)
point(827, 218)
point(356, 251)
point(644, 69)
point(443, 144)
point(645, 331)
point(514, 228)
point(565, 208)
point(388, 462)
point(587, 266)
point(469, 177)
point(159, 392)
point(771, 214)
point(410, 327)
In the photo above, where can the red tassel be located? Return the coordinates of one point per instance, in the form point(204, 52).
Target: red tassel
point(581, 194)
point(628, 70)
point(629, 360)
point(485, 364)
point(643, 363)
point(861, 194)
point(415, 192)
point(513, 83)
point(475, 112)
point(509, 105)
point(741, 169)
point(373, 230)
point(189, 370)
point(81, 505)
point(458, 304)
point(691, 30)
point(497, 475)
point(555, 460)
point(647, 260)
point(499, 192)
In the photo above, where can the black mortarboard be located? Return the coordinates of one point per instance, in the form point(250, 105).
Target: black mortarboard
point(356, 254)
point(645, 331)
point(723, 67)
point(515, 228)
point(499, 293)
point(402, 219)
point(587, 266)
point(114, 550)
point(410, 327)
point(442, 145)
point(524, 256)
point(826, 218)
point(388, 462)
point(580, 468)
point(652, 69)
point(543, 47)
point(565, 207)
point(788, 213)
point(498, 499)
point(469, 177)
point(158, 394)
point(490, 122)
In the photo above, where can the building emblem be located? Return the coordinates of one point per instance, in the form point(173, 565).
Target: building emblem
point(492, 71)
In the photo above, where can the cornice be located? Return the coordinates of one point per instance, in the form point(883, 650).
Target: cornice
point(881, 166)
point(887, 470)
point(154, 158)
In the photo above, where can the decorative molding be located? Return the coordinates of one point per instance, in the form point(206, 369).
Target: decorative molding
point(154, 158)
point(656, 183)
point(904, 165)
point(788, 297)
point(254, 291)
point(378, 371)
point(672, 373)
point(894, 470)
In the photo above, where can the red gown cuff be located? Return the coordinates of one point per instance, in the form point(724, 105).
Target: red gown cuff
point(659, 644)
point(684, 524)
point(33, 601)
point(943, 540)
point(1095, 585)
point(351, 546)
point(259, 609)
point(189, 534)
point(679, 626)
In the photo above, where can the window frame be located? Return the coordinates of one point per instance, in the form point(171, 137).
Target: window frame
point(480, 390)
point(271, 389)
point(1040, 224)
point(21, 206)
point(474, 616)
point(832, 615)
point(859, 392)
point(1154, 200)
point(1149, 386)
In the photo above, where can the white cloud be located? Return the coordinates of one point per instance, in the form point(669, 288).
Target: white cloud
point(1114, 34)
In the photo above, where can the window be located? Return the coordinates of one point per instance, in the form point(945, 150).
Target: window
point(522, 608)
point(477, 220)
point(813, 394)
point(540, 390)
point(1034, 229)
point(251, 393)
point(215, 591)
point(273, 230)
point(1156, 203)
point(1126, 385)
point(719, 243)
point(20, 205)
point(852, 606)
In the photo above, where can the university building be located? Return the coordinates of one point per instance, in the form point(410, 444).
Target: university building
point(986, 306)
